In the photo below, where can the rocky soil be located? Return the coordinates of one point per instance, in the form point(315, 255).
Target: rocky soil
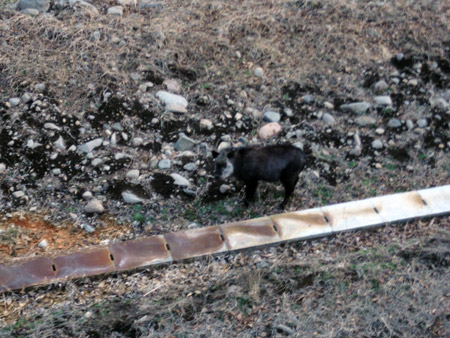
point(110, 110)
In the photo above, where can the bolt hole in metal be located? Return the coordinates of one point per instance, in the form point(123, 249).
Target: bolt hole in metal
point(275, 228)
point(111, 257)
point(167, 247)
point(53, 267)
point(222, 238)
point(376, 210)
point(326, 219)
point(424, 202)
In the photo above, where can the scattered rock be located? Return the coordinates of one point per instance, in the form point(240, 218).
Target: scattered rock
point(206, 124)
point(52, 126)
point(26, 97)
point(328, 105)
point(409, 124)
point(170, 99)
point(180, 180)
point(422, 123)
point(91, 145)
point(356, 107)
point(308, 99)
point(184, 143)
point(164, 164)
point(133, 174)
point(40, 5)
point(394, 123)
point(94, 206)
point(364, 121)
point(191, 166)
point(328, 119)
point(43, 244)
point(18, 194)
point(379, 131)
point(380, 86)
point(60, 144)
point(224, 188)
point(172, 86)
point(271, 116)
point(115, 10)
point(269, 130)
point(131, 198)
point(137, 141)
point(383, 101)
point(40, 87)
point(88, 228)
point(223, 145)
point(259, 72)
point(14, 101)
point(87, 195)
point(2, 168)
point(377, 144)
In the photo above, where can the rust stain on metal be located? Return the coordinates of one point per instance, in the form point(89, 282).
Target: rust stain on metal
point(194, 243)
point(26, 273)
point(140, 252)
point(83, 263)
point(244, 234)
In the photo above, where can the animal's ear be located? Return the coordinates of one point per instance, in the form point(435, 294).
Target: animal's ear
point(215, 154)
point(230, 154)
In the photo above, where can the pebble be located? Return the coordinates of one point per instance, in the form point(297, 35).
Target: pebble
point(87, 195)
point(137, 141)
point(2, 168)
point(172, 86)
point(26, 97)
point(328, 119)
point(88, 228)
point(52, 126)
point(40, 87)
point(115, 10)
point(288, 112)
point(180, 180)
point(394, 123)
point(60, 144)
point(271, 116)
point(259, 72)
point(176, 108)
point(18, 194)
point(422, 123)
point(379, 131)
point(91, 145)
point(269, 130)
point(409, 124)
point(224, 188)
point(191, 166)
point(133, 174)
point(171, 99)
point(131, 198)
point(365, 120)
point(380, 86)
point(184, 143)
point(43, 244)
point(164, 164)
point(96, 161)
point(206, 124)
point(328, 105)
point(382, 101)
point(223, 145)
point(377, 144)
point(356, 107)
point(94, 206)
point(308, 99)
point(14, 101)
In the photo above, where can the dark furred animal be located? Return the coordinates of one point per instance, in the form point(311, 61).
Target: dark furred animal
point(271, 163)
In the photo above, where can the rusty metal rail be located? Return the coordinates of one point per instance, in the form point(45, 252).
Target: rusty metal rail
point(257, 232)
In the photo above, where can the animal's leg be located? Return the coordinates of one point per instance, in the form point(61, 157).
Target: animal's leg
point(250, 188)
point(289, 183)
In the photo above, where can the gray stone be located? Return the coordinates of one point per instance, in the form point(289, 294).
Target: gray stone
point(40, 87)
point(91, 145)
point(30, 11)
point(394, 123)
point(115, 10)
point(184, 143)
point(422, 123)
point(259, 72)
point(132, 174)
point(271, 116)
point(379, 131)
point(2, 168)
point(308, 99)
point(180, 180)
point(131, 198)
point(137, 141)
point(26, 97)
point(409, 124)
point(380, 86)
point(50, 125)
point(447, 95)
point(191, 166)
point(87, 195)
point(224, 188)
point(40, 5)
point(223, 145)
point(383, 101)
point(171, 99)
point(88, 228)
point(328, 105)
point(356, 107)
point(43, 244)
point(377, 144)
point(143, 4)
point(365, 120)
point(288, 112)
point(60, 144)
point(206, 124)
point(18, 194)
point(94, 206)
point(14, 101)
point(328, 119)
point(164, 164)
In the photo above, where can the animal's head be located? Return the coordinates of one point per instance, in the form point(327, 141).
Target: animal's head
point(224, 163)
